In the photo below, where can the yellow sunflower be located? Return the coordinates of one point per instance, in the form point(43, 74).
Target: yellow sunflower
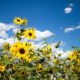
point(28, 59)
point(18, 20)
point(47, 51)
point(13, 49)
point(19, 49)
point(21, 73)
point(48, 47)
point(25, 22)
point(6, 47)
point(22, 50)
point(39, 68)
point(30, 33)
point(54, 61)
point(72, 56)
point(2, 68)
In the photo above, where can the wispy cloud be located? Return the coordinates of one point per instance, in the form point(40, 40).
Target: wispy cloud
point(71, 29)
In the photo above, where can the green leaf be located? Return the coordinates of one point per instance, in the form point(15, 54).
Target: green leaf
point(1, 50)
point(44, 43)
point(57, 45)
point(18, 35)
point(22, 30)
point(6, 61)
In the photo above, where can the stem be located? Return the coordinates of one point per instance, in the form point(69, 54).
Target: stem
point(16, 33)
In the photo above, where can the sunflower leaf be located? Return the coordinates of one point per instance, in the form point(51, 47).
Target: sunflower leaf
point(1, 50)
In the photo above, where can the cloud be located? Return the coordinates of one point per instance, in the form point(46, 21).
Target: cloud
point(65, 54)
point(3, 34)
point(5, 27)
point(9, 40)
point(41, 35)
point(71, 29)
point(68, 10)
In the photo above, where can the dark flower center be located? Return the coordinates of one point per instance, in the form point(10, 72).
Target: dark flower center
point(22, 72)
point(50, 71)
point(22, 51)
point(18, 20)
point(40, 68)
point(30, 34)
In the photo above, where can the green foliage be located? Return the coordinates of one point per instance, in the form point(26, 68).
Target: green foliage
point(57, 45)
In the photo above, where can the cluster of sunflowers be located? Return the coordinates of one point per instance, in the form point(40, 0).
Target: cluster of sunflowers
point(23, 61)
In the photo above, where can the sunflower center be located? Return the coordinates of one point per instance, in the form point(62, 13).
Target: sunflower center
point(30, 34)
point(40, 68)
point(18, 20)
point(22, 72)
point(22, 51)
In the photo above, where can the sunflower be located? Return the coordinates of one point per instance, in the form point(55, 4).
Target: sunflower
point(72, 56)
point(18, 20)
point(28, 59)
point(47, 51)
point(6, 47)
point(30, 33)
point(13, 49)
point(39, 68)
point(25, 22)
point(19, 49)
point(29, 44)
point(21, 73)
point(14, 66)
point(22, 50)
point(2, 68)
point(54, 61)
point(48, 47)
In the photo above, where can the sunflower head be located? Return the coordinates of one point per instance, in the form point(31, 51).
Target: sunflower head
point(21, 73)
point(30, 33)
point(2, 68)
point(25, 22)
point(19, 50)
point(18, 20)
point(6, 46)
point(22, 51)
point(39, 68)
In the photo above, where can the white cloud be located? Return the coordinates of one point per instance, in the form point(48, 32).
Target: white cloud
point(57, 51)
point(68, 10)
point(3, 34)
point(5, 27)
point(15, 30)
point(9, 40)
point(65, 54)
point(41, 35)
point(71, 29)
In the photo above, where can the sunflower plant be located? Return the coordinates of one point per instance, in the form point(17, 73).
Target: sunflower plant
point(23, 61)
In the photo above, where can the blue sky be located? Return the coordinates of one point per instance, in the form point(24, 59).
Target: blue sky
point(46, 15)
